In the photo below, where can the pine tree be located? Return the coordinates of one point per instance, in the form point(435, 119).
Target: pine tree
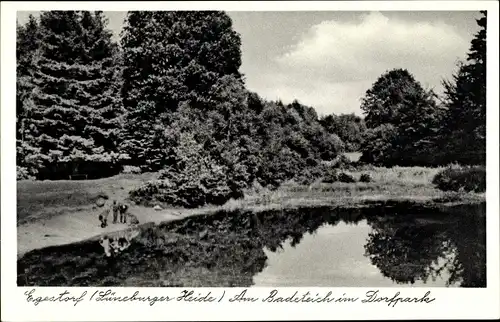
point(464, 129)
point(27, 54)
point(75, 116)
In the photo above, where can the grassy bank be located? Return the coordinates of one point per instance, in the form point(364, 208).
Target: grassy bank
point(402, 184)
point(44, 199)
point(60, 212)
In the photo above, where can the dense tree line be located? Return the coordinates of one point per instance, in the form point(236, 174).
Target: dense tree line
point(350, 128)
point(169, 97)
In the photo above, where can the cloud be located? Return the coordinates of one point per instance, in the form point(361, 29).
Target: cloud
point(335, 62)
point(325, 96)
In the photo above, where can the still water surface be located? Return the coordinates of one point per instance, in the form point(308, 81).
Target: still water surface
point(332, 255)
point(413, 249)
point(375, 246)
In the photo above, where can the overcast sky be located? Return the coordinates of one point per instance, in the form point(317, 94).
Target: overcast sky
point(329, 59)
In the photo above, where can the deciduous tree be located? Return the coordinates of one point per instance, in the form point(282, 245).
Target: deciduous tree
point(397, 101)
point(171, 57)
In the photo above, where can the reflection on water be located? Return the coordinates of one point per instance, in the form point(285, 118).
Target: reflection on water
point(332, 255)
point(349, 255)
point(412, 248)
point(390, 245)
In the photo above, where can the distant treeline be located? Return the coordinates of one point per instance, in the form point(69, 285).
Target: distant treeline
point(170, 97)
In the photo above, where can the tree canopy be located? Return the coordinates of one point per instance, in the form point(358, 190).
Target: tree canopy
point(170, 57)
point(403, 116)
point(350, 128)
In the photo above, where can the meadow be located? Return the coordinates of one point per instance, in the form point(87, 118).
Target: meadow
point(45, 199)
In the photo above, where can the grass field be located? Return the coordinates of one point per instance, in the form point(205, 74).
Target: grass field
point(44, 199)
point(412, 184)
point(59, 212)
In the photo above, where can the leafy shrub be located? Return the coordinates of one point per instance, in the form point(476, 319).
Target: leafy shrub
point(311, 162)
point(309, 175)
point(303, 180)
point(24, 174)
point(467, 179)
point(173, 193)
point(130, 169)
point(195, 179)
point(345, 177)
point(279, 164)
point(365, 177)
point(330, 176)
point(341, 162)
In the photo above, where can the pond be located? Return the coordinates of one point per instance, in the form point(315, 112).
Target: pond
point(374, 246)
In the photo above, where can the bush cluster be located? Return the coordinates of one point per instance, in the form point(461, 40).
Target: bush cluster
point(332, 175)
point(188, 189)
point(24, 174)
point(345, 177)
point(195, 179)
point(365, 177)
point(456, 179)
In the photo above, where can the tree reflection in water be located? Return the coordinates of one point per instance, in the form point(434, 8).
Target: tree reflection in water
point(407, 244)
point(407, 248)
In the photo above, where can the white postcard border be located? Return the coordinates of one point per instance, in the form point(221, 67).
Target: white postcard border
point(449, 303)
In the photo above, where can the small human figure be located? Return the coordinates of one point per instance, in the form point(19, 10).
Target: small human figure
point(103, 218)
point(106, 244)
point(116, 209)
point(123, 215)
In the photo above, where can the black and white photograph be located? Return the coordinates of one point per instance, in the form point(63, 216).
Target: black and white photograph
point(225, 148)
point(144, 159)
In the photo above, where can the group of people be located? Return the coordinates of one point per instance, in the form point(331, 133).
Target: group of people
point(119, 210)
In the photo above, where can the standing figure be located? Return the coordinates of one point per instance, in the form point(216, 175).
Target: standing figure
point(116, 208)
point(123, 215)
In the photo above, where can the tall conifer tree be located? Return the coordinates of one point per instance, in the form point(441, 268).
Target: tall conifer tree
point(464, 129)
point(74, 120)
point(27, 55)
